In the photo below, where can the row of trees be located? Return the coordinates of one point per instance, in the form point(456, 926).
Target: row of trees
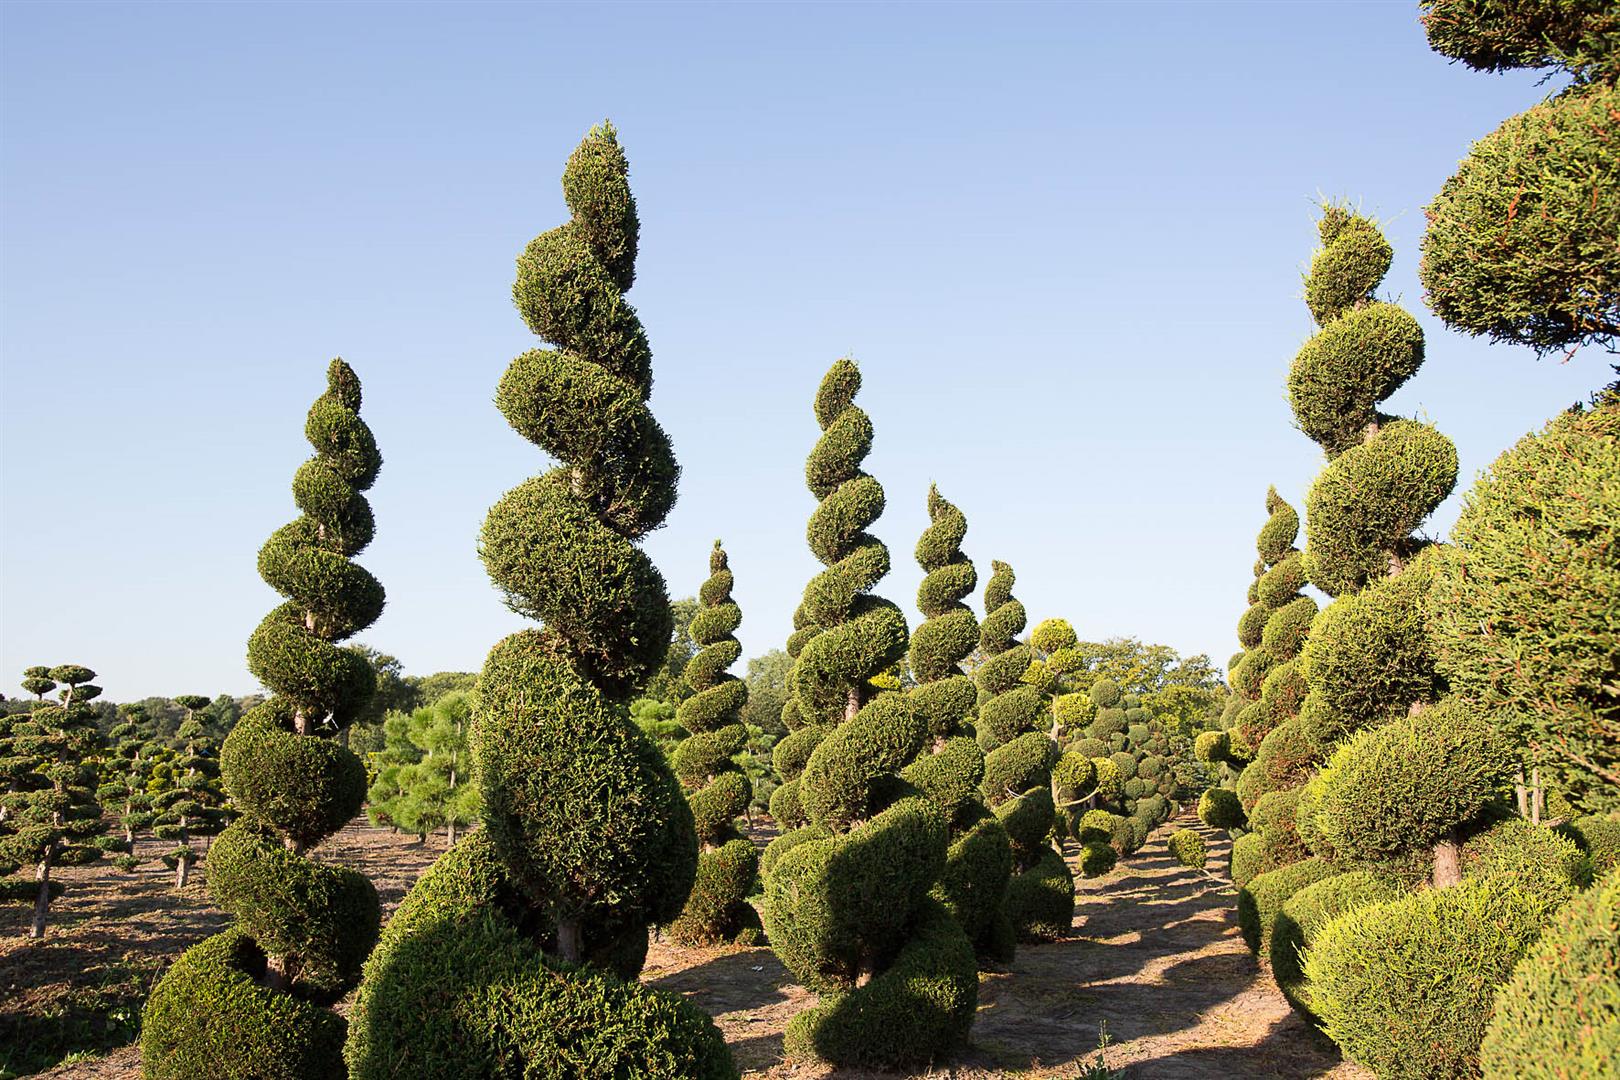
point(1428, 792)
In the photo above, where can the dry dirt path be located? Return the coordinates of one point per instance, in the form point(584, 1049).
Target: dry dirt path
point(1157, 957)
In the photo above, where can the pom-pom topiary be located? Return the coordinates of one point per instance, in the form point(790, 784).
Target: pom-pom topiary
point(1187, 847)
point(587, 840)
point(1261, 899)
point(1305, 913)
point(303, 926)
point(1220, 808)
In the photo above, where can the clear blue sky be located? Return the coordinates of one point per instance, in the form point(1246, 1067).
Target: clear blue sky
point(1063, 241)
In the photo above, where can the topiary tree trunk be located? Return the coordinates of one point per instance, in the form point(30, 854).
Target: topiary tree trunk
point(254, 1000)
point(48, 756)
point(1018, 767)
point(978, 863)
point(848, 896)
point(728, 865)
point(518, 949)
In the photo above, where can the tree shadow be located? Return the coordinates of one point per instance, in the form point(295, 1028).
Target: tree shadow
point(734, 981)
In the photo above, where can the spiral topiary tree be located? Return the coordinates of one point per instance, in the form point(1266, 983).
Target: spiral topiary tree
point(53, 819)
point(978, 862)
point(719, 792)
point(517, 951)
point(1520, 242)
point(849, 901)
point(1017, 785)
point(254, 1000)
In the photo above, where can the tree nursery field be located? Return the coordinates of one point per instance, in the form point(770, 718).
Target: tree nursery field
point(1383, 840)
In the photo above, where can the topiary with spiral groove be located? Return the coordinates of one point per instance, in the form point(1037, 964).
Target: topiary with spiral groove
point(979, 860)
point(848, 896)
point(1018, 767)
point(728, 865)
point(254, 1001)
point(516, 953)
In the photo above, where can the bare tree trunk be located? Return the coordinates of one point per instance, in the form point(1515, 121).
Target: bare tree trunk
point(451, 825)
point(570, 940)
point(278, 973)
point(853, 705)
point(1447, 862)
point(42, 899)
point(1521, 794)
point(182, 871)
point(1537, 796)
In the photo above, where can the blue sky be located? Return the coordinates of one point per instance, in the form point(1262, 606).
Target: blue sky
point(1063, 241)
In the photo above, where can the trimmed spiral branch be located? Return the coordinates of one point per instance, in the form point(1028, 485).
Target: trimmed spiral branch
point(728, 866)
point(587, 839)
point(303, 928)
point(1018, 768)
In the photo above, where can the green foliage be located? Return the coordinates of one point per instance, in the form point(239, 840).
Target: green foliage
point(1305, 913)
point(434, 786)
point(1524, 610)
point(1261, 899)
point(1520, 239)
point(1600, 839)
point(1220, 808)
point(1405, 987)
point(1389, 793)
point(1580, 36)
point(1341, 374)
point(465, 933)
point(1097, 858)
point(587, 838)
point(1559, 1014)
point(1248, 859)
point(1187, 847)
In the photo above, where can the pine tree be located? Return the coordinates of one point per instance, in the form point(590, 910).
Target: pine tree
point(848, 897)
point(978, 863)
point(53, 818)
point(384, 765)
point(195, 804)
point(252, 1001)
point(728, 866)
point(435, 790)
point(517, 951)
point(125, 773)
point(1520, 244)
point(1015, 730)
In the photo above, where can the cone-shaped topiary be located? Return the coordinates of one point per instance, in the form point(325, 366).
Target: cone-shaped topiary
point(979, 860)
point(728, 866)
point(303, 927)
point(1520, 244)
point(587, 840)
point(52, 817)
point(848, 897)
point(1018, 767)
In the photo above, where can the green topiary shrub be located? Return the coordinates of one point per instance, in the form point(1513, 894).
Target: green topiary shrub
point(1600, 839)
point(587, 840)
point(1305, 913)
point(1559, 1015)
point(1097, 858)
point(1248, 859)
point(303, 927)
point(1261, 899)
point(1187, 848)
point(1540, 860)
point(193, 804)
point(727, 870)
point(1221, 809)
point(979, 861)
point(1523, 609)
point(1582, 36)
point(1018, 770)
point(52, 817)
point(1405, 987)
point(850, 910)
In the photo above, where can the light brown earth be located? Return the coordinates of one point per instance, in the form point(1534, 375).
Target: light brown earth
point(1157, 958)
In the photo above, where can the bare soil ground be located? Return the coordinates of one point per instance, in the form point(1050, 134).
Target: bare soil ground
point(1156, 957)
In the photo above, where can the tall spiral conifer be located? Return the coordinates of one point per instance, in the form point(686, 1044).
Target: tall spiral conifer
point(979, 860)
point(516, 952)
point(1017, 781)
point(728, 865)
point(848, 896)
point(254, 1000)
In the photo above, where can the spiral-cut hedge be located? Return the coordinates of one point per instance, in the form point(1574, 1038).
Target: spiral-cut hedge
point(848, 896)
point(587, 838)
point(978, 862)
point(1018, 767)
point(303, 927)
point(728, 866)
point(1520, 241)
